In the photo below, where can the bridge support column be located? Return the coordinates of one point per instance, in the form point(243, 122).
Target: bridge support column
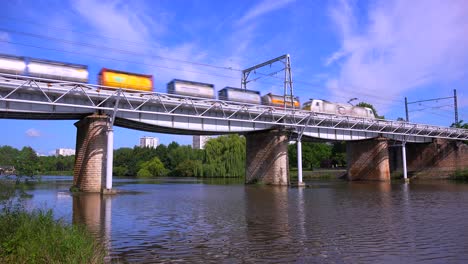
point(299, 164)
point(91, 149)
point(109, 158)
point(267, 158)
point(368, 160)
point(437, 160)
point(403, 158)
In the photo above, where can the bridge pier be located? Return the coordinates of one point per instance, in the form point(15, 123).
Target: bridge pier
point(91, 150)
point(439, 159)
point(368, 160)
point(267, 158)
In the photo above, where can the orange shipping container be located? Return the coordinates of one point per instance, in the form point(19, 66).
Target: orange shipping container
point(126, 80)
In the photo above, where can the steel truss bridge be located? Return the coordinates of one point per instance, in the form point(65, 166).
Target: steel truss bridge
point(23, 97)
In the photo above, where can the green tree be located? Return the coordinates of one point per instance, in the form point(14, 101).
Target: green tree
point(152, 168)
point(225, 156)
point(27, 162)
point(313, 154)
point(364, 104)
point(460, 124)
point(189, 168)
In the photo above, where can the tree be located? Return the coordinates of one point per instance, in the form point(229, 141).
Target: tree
point(189, 168)
point(152, 168)
point(364, 104)
point(460, 124)
point(27, 162)
point(313, 154)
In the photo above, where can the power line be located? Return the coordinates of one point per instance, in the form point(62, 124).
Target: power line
point(114, 59)
point(354, 91)
point(77, 31)
point(114, 49)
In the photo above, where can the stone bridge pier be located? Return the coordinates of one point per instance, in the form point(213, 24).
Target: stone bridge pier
point(89, 173)
point(368, 160)
point(267, 158)
point(436, 160)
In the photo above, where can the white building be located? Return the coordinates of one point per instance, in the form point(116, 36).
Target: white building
point(149, 142)
point(199, 142)
point(64, 152)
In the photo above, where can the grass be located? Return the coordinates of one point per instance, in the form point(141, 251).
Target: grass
point(35, 237)
point(460, 175)
point(319, 174)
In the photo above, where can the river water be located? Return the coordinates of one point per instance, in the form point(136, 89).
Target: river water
point(187, 220)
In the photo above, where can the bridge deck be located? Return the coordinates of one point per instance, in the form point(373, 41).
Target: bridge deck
point(23, 97)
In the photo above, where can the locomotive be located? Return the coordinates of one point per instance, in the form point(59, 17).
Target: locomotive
point(113, 79)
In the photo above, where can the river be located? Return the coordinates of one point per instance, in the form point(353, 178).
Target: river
point(189, 220)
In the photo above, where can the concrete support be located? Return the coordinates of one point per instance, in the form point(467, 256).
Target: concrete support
point(403, 157)
point(299, 164)
point(91, 149)
point(267, 158)
point(437, 160)
point(368, 160)
point(109, 157)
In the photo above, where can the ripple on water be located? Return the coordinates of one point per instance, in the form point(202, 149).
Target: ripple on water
point(334, 222)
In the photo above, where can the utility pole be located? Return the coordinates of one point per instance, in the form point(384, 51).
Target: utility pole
point(406, 109)
point(455, 105)
point(435, 99)
point(288, 83)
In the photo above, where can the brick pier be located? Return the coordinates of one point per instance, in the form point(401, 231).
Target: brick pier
point(91, 148)
point(368, 160)
point(267, 158)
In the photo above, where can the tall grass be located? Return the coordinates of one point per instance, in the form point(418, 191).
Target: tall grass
point(35, 237)
point(460, 175)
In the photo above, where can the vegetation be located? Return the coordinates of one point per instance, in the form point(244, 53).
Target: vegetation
point(460, 175)
point(364, 104)
point(318, 155)
point(460, 124)
point(27, 163)
point(35, 237)
point(223, 157)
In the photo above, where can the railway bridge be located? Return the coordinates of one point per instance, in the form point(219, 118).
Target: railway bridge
point(267, 129)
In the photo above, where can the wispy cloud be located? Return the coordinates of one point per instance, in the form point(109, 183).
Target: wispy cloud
point(262, 8)
point(399, 46)
point(32, 132)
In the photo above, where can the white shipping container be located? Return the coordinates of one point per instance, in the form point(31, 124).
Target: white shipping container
point(193, 90)
point(11, 65)
point(240, 96)
point(61, 72)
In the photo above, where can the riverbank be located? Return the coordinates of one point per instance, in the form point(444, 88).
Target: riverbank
point(318, 174)
point(36, 237)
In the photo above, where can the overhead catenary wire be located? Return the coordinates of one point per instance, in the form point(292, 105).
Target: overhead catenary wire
point(382, 100)
point(83, 44)
point(114, 59)
point(182, 61)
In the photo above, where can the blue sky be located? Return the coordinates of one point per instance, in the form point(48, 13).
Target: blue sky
point(377, 51)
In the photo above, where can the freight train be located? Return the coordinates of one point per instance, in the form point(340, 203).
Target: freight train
point(112, 79)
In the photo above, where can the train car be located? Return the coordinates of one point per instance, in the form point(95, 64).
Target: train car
point(278, 101)
point(57, 70)
point(125, 80)
point(189, 88)
point(239, 95)
point(12, 64)
point(323, 106)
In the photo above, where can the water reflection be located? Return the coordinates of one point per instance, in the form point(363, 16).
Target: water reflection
point(95, 212)
point(331, 222)
point(266, 216)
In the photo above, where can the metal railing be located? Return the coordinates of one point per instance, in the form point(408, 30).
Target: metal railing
point(48, 97)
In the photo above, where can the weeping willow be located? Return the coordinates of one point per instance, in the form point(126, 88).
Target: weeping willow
point(225, 157)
